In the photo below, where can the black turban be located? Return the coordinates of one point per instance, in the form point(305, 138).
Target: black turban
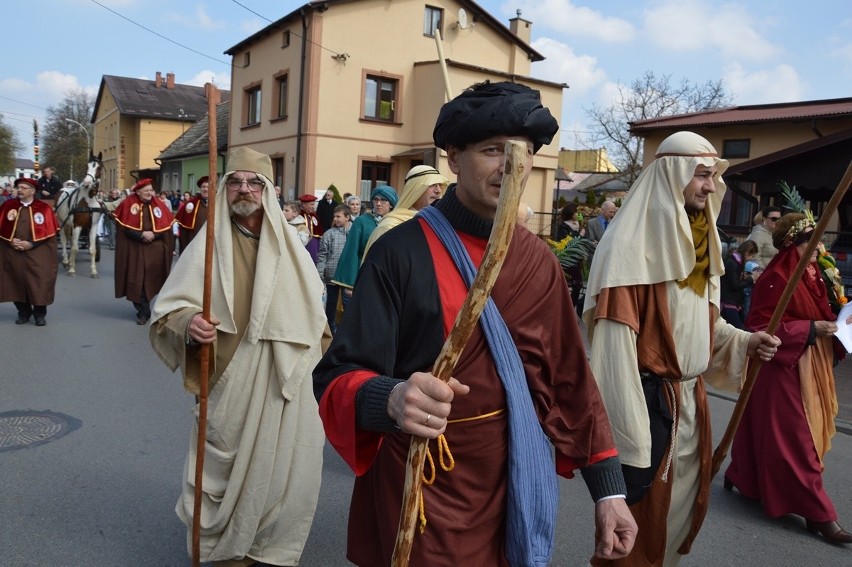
point(494, 109)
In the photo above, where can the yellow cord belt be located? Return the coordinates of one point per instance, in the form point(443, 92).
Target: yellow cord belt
point(445, 459)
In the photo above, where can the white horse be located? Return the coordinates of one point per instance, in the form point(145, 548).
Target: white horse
point(77, 208)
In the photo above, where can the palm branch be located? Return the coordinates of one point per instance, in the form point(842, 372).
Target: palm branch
point(577, 250)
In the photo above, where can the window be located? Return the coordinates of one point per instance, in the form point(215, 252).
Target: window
point(285, 39)
point(380, 98)
point(278, 171)
point(280, 110)
point(732, 149)
point(432, 21)
point(246, 58)
point(373, 174)
point(190, 180)
point(252, 98)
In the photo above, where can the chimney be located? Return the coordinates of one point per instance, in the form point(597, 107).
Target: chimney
point(158, 79)
point(170, 80)
point(521, 27)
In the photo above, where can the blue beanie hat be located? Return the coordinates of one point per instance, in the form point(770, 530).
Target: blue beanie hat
point(387, 192)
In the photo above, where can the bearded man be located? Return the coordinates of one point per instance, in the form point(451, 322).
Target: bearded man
point(263, 455)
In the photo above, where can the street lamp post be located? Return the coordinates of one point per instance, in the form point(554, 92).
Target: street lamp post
point(86, 130)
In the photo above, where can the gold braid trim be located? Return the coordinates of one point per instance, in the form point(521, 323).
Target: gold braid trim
point(697, 279)
point(445, 459)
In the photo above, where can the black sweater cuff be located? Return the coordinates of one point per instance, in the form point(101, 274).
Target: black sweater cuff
point(604, 479)
point(371, 404)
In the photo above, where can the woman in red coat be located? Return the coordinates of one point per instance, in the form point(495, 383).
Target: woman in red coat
point(788, 423)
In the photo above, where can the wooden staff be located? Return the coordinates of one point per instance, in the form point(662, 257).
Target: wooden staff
point(212, 99)
point(754, 367)
point(466, 320)
point(447, 90)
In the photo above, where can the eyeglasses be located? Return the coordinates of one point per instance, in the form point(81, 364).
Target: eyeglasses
point(773, 219)
point(380, 200)
point(235, 184)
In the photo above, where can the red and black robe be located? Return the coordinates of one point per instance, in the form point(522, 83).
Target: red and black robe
point(406, 297)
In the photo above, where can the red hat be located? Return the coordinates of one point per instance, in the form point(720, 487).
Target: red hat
point(142, 183)
point(307, 198)
point(28, 181)
point(202, 181)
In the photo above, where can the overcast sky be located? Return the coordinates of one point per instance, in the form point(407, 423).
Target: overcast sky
point(765, 51)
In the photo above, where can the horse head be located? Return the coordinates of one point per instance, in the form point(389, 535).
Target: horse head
point(93, 172)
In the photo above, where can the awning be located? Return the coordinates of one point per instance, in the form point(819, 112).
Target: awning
point(813, 166)
point(414, 152)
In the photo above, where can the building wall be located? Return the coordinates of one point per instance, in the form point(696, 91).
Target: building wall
point(337, 138)
point(765, 138)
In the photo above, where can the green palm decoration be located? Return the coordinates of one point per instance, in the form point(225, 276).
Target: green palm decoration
point(571, 251)
point(794, 200)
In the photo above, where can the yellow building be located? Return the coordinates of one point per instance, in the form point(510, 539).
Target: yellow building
point(586, 161)
point(136, 119)
point(366, 79)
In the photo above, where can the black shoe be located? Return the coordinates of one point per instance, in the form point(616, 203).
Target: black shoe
point(39, 321)
point(141, 320)
point(830, 531)
point(22, 319)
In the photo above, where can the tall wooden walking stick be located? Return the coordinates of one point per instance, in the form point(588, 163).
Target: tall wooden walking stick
point(466, 320)
point(212, 99)
point(722, 450)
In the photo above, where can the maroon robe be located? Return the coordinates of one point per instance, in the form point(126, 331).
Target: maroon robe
point(408, 294)
point(773, 457)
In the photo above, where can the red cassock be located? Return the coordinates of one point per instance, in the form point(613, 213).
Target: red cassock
point(42, 220)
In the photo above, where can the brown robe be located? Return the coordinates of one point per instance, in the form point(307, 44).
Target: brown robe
point(28, 276)
point(645, 309)
point(141, 268)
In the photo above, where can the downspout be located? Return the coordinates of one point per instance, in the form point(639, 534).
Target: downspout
point(814, 128)
point(299, 132)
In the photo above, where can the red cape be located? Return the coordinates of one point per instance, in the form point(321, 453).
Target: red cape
point(42, 220)
point(129, 214)
point(187, 214)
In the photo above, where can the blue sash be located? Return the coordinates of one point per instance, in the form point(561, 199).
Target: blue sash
point(533, 491)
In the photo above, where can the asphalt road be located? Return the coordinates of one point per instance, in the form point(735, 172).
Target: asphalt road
point(104, 493)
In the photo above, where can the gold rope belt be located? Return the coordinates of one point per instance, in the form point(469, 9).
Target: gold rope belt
point(445, 459)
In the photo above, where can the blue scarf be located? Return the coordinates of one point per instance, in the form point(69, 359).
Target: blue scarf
point(533, 491)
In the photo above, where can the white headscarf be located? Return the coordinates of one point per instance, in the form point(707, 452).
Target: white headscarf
point(417, 180)
point(650, 241)
point(287, 295)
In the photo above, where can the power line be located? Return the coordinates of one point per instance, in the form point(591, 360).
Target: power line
point(241, 5)
point(22, 102)
point(161, 35)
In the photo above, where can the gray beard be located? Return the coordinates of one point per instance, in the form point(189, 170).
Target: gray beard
point(244, 208)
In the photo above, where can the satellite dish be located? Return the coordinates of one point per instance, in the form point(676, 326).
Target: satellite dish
point(463, 22)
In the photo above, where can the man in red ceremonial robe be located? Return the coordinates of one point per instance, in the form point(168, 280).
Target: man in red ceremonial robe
point(492, 504)
point(309, 212)
point(144, 248)
point(193, 214)
point(28, 230)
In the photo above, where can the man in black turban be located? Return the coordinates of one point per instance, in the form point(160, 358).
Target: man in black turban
point(488, 109)
point(375, 388)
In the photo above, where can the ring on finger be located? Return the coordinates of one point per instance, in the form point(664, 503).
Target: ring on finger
point(428, 417)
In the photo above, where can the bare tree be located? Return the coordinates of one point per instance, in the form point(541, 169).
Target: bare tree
point(67, 135)
point(648, 96)
point(9, 146)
